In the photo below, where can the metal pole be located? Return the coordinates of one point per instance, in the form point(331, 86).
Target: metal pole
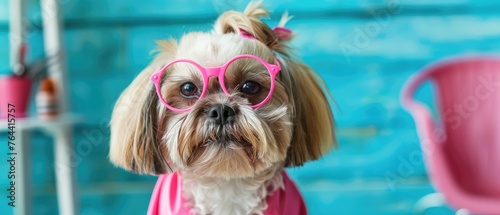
point(24, 197)
point(17, 30)
point(17, 33)
point(63, 147)
point(53, 40)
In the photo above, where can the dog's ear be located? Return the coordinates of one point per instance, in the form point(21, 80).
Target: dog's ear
point(312, 117)
point(135, 141)
point(249, 24)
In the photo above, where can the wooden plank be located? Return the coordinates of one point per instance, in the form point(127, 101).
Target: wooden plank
point(82, 13)
point(76, 9)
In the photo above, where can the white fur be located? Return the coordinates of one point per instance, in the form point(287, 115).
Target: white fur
point(232, 196)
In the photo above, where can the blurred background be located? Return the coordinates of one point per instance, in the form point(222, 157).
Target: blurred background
point(364, 49)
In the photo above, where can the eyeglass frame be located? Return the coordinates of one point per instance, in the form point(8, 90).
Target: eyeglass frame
point(218, 72)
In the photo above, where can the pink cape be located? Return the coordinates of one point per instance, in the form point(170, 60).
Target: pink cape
point(167, 198)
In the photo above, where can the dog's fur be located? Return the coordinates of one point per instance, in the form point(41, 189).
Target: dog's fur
point(295, 126)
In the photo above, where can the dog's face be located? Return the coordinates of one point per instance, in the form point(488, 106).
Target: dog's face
point(222, 135)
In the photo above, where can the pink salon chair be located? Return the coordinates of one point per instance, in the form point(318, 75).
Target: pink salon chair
point(461, 147)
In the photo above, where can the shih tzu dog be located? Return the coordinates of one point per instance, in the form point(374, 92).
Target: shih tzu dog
point(218, 116)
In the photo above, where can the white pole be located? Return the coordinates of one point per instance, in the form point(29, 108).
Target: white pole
point(24, 203)
point(53, 40)
point(63, 149)
point(17, 33)
point(17, 30)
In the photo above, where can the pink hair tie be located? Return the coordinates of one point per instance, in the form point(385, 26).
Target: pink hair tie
point(282, 32)
point(245, 34)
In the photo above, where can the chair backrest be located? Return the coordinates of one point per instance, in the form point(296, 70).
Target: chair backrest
point(465, 162)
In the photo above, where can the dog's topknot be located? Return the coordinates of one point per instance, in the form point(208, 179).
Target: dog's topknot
point(249, 22)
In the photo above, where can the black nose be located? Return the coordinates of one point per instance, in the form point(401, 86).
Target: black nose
point(221, 114)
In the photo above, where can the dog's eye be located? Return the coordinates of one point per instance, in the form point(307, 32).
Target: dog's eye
point(250, 88)
point(188, 90)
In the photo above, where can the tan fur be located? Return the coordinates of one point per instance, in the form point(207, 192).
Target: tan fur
point(295, 126)
point(313, 134)
point(134, 122)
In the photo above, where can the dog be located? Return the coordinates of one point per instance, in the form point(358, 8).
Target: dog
point(218, 116)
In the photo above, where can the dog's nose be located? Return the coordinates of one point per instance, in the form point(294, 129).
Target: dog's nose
point(221, 114)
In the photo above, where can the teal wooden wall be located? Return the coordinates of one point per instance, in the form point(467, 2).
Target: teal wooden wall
point(365, 50)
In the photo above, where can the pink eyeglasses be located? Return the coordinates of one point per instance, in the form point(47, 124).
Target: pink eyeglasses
point(184, 92)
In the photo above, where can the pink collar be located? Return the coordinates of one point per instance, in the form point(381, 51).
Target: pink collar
point(167, 198)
